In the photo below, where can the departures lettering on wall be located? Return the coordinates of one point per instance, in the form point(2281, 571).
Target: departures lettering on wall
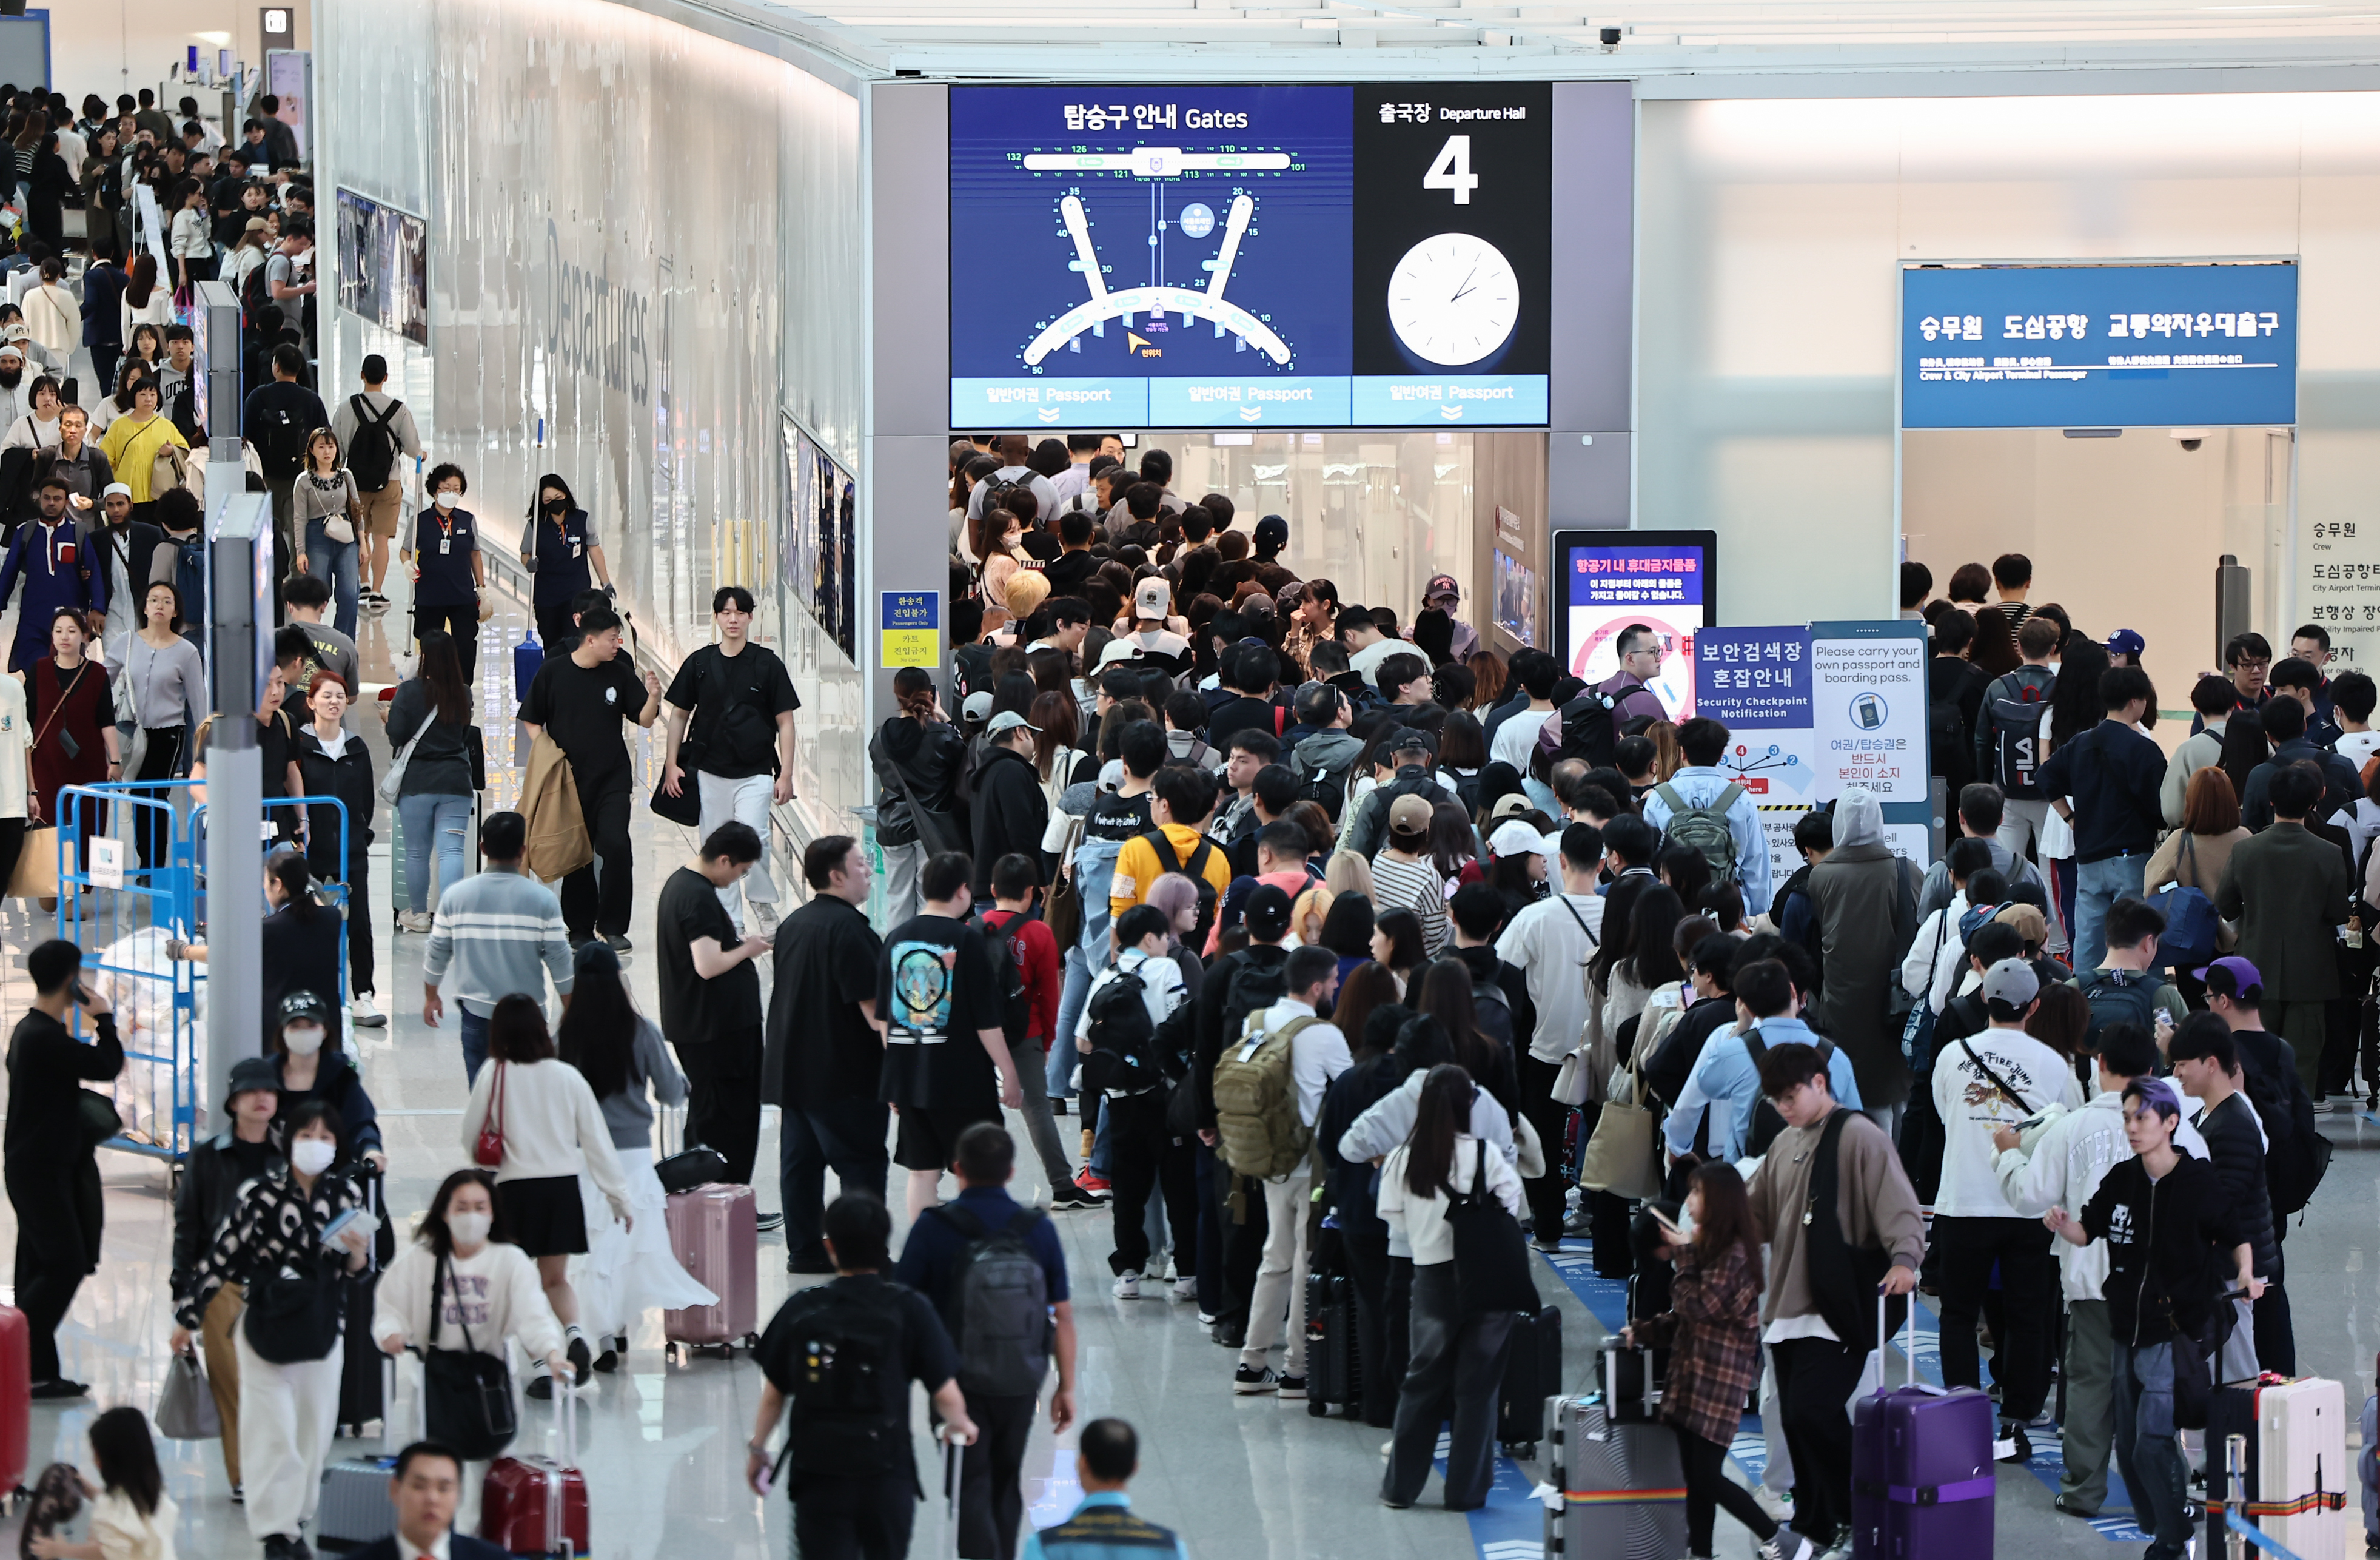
point(594, 325)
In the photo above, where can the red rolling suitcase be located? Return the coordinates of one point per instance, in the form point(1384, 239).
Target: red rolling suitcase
point(536, 1505)
point(16, 1400)
point(715, 1233)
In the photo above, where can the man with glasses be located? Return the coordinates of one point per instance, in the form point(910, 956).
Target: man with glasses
point(1624, 692)
point(2247, 662)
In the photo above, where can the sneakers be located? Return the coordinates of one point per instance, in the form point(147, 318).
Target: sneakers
point(582, 1360)
point(1185, 1290)
point(1067, 1194)
point(365, 1014)
point(1096, 1185)
point(541, 1387)
point(1205, 1317)
point(1787, 1546)
point(238, 1495)
point(58, 1391)
point(2070, 1506)
point(1293, 1389)
point(2013, 1445)
point(415, 921)
point(1127, 1287)
point(1249, 1379)
point(617, 942)
point(608, 1362)
point(1777, 1505)
point(768, 1222)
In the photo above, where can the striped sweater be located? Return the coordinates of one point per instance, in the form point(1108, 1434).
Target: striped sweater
point(492, 931)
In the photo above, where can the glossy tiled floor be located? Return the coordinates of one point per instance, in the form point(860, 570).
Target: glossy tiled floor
point(1240, 1477)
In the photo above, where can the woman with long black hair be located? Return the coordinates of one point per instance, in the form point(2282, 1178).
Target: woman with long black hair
point(1457, 1369)
point(620, 1053)
point(433, 712)
point(1444, 993)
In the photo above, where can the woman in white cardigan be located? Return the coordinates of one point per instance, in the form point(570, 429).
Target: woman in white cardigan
point(488, 1288)
point(552, 1131)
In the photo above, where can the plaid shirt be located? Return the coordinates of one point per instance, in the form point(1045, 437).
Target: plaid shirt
point(1713, 1337)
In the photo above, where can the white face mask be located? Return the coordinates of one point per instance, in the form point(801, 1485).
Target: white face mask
point(445, 500)
point(311, 1156)
point(302, 1040)
point(469, 1229)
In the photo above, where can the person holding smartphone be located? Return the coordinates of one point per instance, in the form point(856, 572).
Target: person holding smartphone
point(51, 1160)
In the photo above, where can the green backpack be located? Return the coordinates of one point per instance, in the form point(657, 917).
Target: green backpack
point(1257, 1128)
point(1702, 828)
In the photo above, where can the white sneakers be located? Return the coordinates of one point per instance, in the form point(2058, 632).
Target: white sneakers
point(1127, 1287)
point(415, 921)
point(1187, 1290)
point(364, 1013)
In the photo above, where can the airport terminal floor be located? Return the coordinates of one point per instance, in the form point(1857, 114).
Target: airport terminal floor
point(1246, 1477)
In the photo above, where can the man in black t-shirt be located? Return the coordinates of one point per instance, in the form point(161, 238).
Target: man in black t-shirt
point(851, 1475)
point(824, 1057)
point(582, 698)
point(729, 728)
point(711, 998)
point(946, 1064)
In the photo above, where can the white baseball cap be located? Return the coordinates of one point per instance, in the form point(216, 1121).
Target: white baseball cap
point(1515, 837)
point(1151, 598)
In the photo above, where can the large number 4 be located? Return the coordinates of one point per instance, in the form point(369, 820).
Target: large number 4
point(1451, 170)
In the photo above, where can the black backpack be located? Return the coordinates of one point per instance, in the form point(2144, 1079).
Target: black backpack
point(2020, 713)
point(2296, 1156)
point(373, 457)
point(996, 494)
point(1123, 1058)
point(1587, 732)
point(255, 293)
point(1490, 1008)
point(1766, 1122)
point(1954, 748)
point(841, 1350)
point(1196, 872)
point(1008, 979)
point(999, 1309)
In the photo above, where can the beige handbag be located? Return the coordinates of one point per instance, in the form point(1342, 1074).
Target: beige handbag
point(1623, 1156)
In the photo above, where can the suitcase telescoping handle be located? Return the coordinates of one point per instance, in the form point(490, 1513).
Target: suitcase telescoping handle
point(1612, 1346)
point(557, 1480)
point(953, 1451)
point(1908, 1342)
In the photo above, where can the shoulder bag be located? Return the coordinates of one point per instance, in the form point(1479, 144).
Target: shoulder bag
point(1491, 1255)
point(1574, 1084)
point(933, 828)
point(1624, 1155)
point(393, 781)
point(685, 808)
point(467, 1395)
point(294, 1314)
point(489, 1152)
point(1061, 907)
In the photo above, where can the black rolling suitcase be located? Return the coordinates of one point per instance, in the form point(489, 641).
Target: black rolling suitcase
point(1333, 1372)
point(1532, 1375)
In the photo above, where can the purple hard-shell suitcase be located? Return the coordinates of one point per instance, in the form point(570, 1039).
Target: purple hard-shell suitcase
point(1921, 1469)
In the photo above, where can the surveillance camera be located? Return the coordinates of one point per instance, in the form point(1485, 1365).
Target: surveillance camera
point(2188, 438)
point(1611, 38)
point(2191, 444)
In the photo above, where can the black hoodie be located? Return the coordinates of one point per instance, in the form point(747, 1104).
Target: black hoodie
point(2170, 1248)
point(1010, 814)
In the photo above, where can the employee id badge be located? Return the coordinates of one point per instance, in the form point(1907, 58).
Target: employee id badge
point(578, 549)
point(445, 546)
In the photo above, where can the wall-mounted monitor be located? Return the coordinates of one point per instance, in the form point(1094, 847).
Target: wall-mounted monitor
point(1609, 581)
point(385, 266)
point(1228, 257)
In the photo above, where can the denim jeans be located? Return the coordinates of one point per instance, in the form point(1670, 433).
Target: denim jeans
point(2148, 1453)
point(432, 821)
point(2097, 885)
point(335, 564)
point(1060, 1072)
point(475, 1044)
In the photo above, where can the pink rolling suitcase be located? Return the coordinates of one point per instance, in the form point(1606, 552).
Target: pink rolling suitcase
point(715, 1234)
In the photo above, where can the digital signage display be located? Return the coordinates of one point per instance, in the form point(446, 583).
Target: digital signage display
point(1290, 256)
point(2110, 346)
point(1613, 578)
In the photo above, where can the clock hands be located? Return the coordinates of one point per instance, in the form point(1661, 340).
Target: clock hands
point(1466, 284)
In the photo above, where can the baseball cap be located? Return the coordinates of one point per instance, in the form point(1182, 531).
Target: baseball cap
point(305, 1006)
point(1119, 649)
point(2233, 977)
point(1441, 585)
point(251, 1075)
point(1411, 739)
point(2126, 642)
point(1006, 721)
point(1512, 804)
point(255, 224)
point(2011, 980)
point(1516, 839)
point(1272, 531)
point(2030, 923)
point(1268, 912)
point(1151, 598)
point(1409, 815)
point(977, 707)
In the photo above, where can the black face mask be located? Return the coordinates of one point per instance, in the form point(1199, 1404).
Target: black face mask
point(557, 506)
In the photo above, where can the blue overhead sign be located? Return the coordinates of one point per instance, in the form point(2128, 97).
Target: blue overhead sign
point(2098, 346)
